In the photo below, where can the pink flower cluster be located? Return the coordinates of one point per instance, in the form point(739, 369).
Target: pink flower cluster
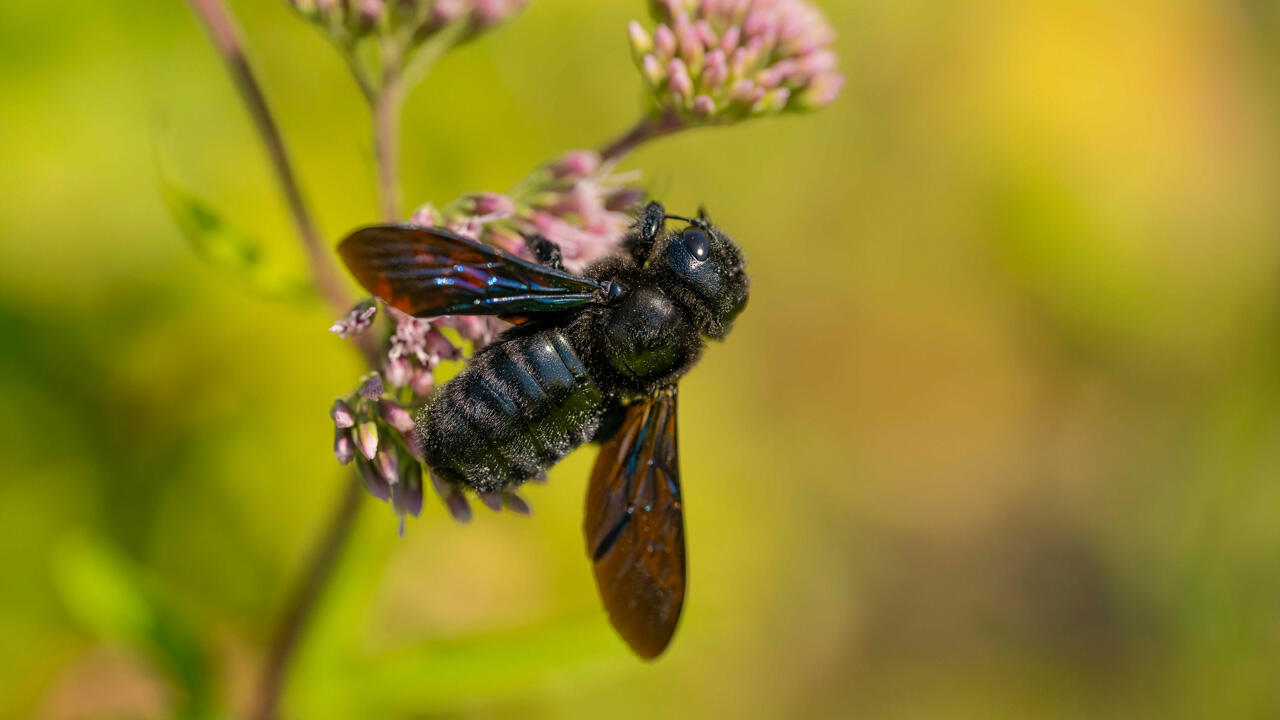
point(576, 202)
point(722, 60)
point(422, 18)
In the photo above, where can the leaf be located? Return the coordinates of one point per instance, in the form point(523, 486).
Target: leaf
point(108, 596)
point(230, 251)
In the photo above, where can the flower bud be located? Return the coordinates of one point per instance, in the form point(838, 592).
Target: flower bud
point(398, 372)
point(343, 448)
point(704, 106)
point(576, 164)
point(343, 416)
point(652, 69)
point(395, 416)
point(388, 464)
point(374, 482)
point(406, 496)
point(773, 101)
point(357, 320)
point(678, 76)
point(493, 501)
point(413, 441)
point(489, 204)
point(367, 438)
point(422, 382)
point(426, 215)
point(641, 43)
point(664, 43)
point(371, 388)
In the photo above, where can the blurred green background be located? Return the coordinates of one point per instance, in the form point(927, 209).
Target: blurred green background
point(999, 434)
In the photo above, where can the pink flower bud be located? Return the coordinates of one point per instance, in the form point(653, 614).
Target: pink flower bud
point(490, 205)
point(343, 416)
point(577, 163)
point(772, 101)
point(426, 216)
point(652, 69)
point(422, 383)
point(678, 76)
point(395, 416)
point(822, 90)
point(729, 40)
point(664, 43)
point(413, 441)
point(370, 11)
point(493, 501)
point(357, 320)
point(398, 372)
point(367, 438)
point(691, 49)
point(641, 43)
point(704, 106)
point(343, 448)
point(406, 496)
point(716, 71)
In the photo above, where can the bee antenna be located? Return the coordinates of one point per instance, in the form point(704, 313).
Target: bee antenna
point(697, 223)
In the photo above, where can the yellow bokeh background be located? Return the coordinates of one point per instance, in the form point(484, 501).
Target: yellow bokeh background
point(998, 435)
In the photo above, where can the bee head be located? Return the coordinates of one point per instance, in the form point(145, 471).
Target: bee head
point(708, 270)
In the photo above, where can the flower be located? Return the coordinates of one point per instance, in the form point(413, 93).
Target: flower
point(725, 60)
point(349, 20)
point(576, 201)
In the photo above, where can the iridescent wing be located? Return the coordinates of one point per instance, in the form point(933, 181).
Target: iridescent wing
point(635, 525)
point(431, 271)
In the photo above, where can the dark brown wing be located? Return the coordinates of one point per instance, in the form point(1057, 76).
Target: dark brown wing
point(431, 271)
point(635, 525)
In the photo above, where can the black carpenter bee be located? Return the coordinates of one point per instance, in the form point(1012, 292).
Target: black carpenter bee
point(591, 358)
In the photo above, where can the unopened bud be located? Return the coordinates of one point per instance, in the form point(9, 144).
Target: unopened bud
point(641, 43)
point(422, 382)
point(395, 416)
point(398, 372)
point(342, 415)
point(343, 447)
point(388, 464)
point(371, 388)
point(367, 438)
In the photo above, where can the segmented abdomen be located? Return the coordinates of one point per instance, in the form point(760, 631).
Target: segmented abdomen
point(518, 408)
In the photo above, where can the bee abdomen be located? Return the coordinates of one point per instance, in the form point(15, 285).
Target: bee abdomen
point(519, 408)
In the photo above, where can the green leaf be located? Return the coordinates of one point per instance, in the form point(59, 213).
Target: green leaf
point(108, 596)
point(230, 251)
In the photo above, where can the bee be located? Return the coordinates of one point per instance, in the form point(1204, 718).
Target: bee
point(591, 358)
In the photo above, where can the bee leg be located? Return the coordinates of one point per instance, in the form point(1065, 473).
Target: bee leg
point(649, 224)
point(544, 251)
point(614, 414)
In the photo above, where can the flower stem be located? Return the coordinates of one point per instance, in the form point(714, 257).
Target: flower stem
point(302, 601)
point(386, 144)
point(218, 21)
point(652, 126)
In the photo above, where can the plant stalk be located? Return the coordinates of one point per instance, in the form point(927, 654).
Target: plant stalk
point(386, 110)
point(652, 126)
point(302, 601)
point(219, 23)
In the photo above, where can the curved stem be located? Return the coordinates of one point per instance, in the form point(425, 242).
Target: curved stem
point(302, 601)
point(221, 27)
point(651, 127)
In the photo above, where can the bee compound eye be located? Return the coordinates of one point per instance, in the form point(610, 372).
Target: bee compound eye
point(697, 243)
